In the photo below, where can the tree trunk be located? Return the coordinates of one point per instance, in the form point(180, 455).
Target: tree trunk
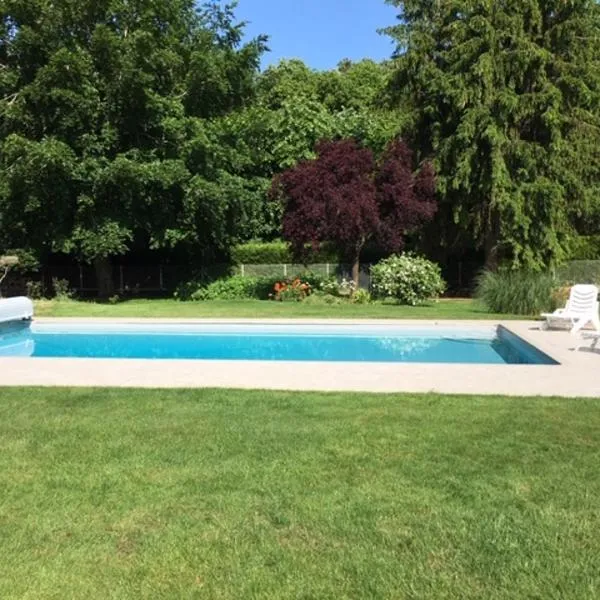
point(356, 269)
point(492, 241)
point(104, 278)
point(3, 276)
point(491, 253)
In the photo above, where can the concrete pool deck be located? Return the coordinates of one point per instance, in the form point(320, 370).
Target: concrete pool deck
point(577, 375)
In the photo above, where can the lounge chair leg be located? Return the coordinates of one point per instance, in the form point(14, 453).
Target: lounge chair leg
point(579, 325)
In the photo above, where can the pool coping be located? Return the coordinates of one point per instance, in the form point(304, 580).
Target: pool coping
point(572, 377)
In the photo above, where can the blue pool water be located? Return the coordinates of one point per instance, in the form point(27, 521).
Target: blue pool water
point(352, 343)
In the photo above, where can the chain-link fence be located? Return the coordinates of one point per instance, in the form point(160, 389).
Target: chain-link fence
point(162, 280)
point(127, 279)
point(284, 270)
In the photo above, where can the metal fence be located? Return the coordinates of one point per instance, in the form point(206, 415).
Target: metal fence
point(338, 270)
point(162, 280)
point(127, 279)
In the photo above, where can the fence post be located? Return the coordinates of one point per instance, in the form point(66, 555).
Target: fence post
point(285, 270)
point(160, 277)
point(80, 277)
point(242, 270)
point(327, 269)
point(121, 279)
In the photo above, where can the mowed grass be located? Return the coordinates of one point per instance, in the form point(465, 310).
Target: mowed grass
point(236, 494)
point(444, 309)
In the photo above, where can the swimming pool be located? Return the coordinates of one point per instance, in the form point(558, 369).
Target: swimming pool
point(270, 342)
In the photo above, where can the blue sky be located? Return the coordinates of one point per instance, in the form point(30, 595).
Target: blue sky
point(320, 32)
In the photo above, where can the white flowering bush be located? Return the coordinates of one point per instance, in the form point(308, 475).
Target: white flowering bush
point(344, 288)
point(407, 278)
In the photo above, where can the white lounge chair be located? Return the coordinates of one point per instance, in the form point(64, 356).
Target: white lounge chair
point(581, 308)
point(16, 309)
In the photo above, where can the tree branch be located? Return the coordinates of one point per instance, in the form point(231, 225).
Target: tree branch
point(3, 277)
point(11, 98)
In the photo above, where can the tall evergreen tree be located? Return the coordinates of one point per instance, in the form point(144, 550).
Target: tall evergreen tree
point(506, 96)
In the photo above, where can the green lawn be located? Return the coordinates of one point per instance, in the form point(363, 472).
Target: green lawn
point(445, 309)
point(230, 494)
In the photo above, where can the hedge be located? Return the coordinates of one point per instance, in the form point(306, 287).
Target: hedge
point(579, 271)
point(276, 253)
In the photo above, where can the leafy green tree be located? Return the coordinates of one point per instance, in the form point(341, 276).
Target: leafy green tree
point(102, 111)
point(145, 125)
point(308, 105)
point(355, 85)
point(506, 97)
point(288, 80)
point(38, 193)
point(295, 108)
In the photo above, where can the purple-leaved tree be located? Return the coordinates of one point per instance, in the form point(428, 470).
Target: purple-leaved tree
point(346, 197)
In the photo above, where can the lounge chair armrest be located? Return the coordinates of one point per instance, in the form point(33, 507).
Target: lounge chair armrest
point(557, 313)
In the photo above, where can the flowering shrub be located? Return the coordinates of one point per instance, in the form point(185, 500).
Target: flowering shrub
point(330, 286)
point(345, 288)
point(295, 290)
point(407, 278)
point(238, 287)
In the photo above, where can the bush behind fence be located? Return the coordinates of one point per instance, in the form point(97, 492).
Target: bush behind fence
point(284, 270)
point(579, 271)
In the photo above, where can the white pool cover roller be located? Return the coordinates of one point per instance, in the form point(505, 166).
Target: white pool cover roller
point(15, 309)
